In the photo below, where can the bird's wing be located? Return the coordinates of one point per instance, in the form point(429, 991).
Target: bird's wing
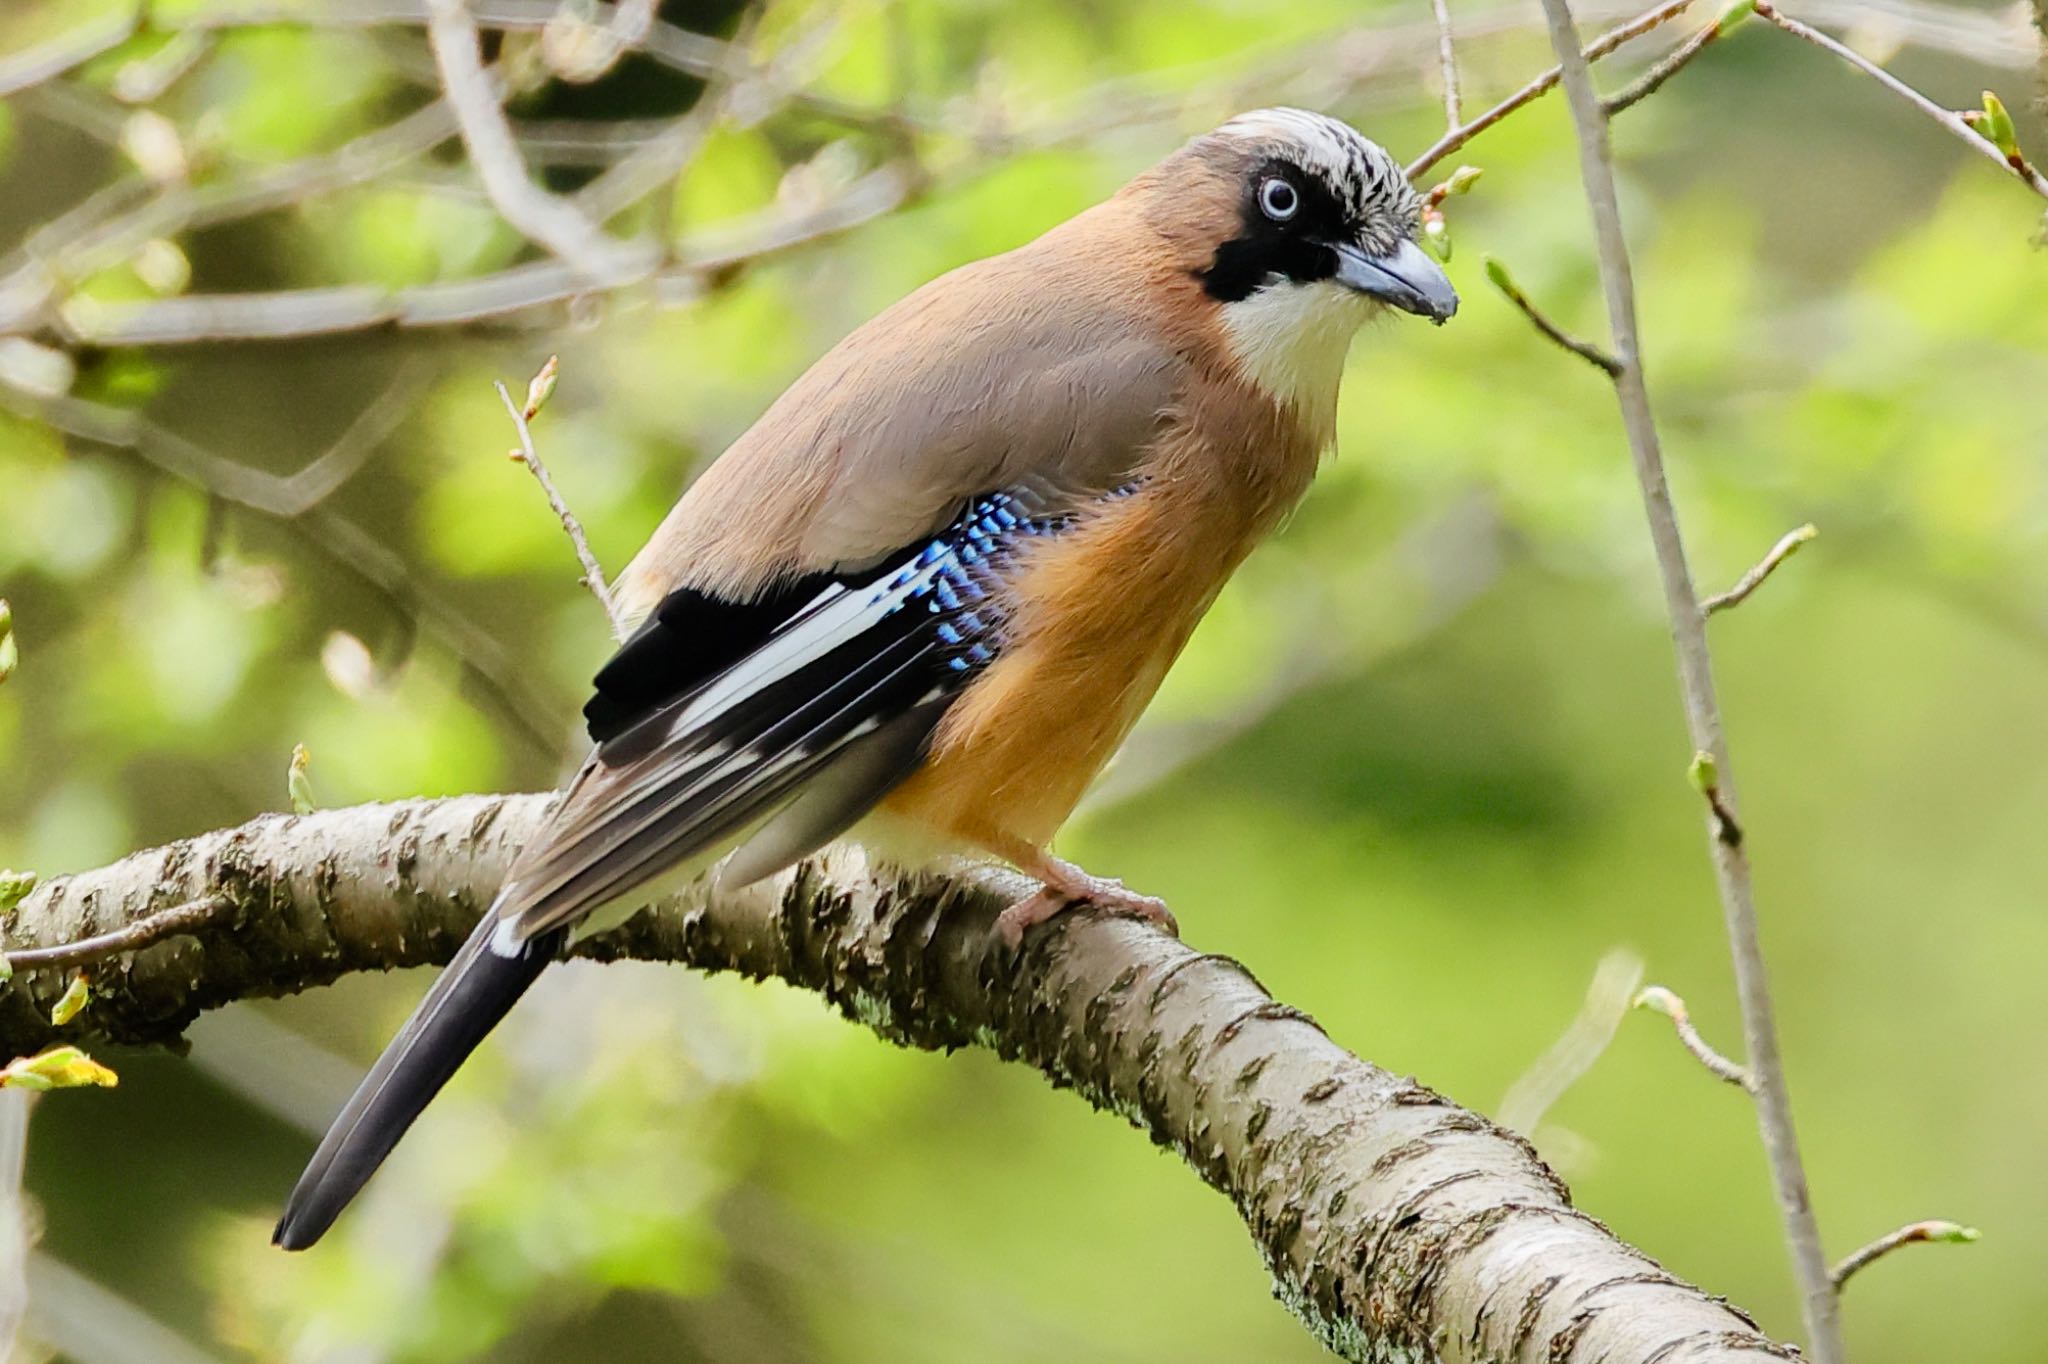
point(1053, 365)
point(815, 601)
point(801, 711)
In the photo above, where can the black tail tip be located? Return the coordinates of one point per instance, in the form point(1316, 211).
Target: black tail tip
point(291, 1233)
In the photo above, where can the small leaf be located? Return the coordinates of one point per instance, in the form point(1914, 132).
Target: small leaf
point(1952, 1232)
point(62, 1067)
point(14, 888)
point(1436, 235)
point(10, 652)
point(542, 387)
point(296, 783)
point(1733, 16)
point(76, 996)
point(1462, 179)
point(1703, 772)
point(1498, 274)
point(1997, 127)
point(1657, 998)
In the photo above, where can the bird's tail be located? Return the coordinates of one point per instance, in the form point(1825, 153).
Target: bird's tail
point(476, 990)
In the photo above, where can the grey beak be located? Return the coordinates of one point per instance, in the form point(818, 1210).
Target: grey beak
point(1406, 278)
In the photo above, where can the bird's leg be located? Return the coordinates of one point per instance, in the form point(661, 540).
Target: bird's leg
point(1066, 885)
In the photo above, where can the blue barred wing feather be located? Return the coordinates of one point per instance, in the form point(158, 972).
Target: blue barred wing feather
point(780, 722)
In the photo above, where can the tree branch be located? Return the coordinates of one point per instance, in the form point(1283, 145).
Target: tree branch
point(1702, 710)
point(1397, 1225)
point(1447, 59)
point(2012, 161)
point(1606, 43)
point(538, 215)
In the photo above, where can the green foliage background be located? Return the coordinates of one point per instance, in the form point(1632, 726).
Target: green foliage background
point(1472, 786)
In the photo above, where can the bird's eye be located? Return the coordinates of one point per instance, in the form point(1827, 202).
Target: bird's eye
point(1277, 200)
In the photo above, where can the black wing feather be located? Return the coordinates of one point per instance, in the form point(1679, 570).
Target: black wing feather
point(686, 641)
point(797, 713)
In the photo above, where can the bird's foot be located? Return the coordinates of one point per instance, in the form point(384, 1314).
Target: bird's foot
point(1066, 886)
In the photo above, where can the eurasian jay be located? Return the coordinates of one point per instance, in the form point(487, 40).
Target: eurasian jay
point(924, 598)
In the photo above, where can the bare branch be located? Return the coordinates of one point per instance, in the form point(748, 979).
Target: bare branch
point(1787, 546)
point(1672, 1007)
point(340, 539)
point(132, 936)
point(1702, 709)
point(74, 48)
point(1916, 1233)
point(538, 215)
point(1652, 80)
point(1474, 1250)
point(1543, 84)
point(1585, 350)
point(105, 231)
point(593, 573)
point(289, 313)
point(1447, 59)
point(664, 158)
point(1947, 118)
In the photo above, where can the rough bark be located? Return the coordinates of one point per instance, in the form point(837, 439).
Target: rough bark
point(1398, 1226)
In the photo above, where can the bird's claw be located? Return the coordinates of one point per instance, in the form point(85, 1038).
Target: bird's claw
point(1101, 893)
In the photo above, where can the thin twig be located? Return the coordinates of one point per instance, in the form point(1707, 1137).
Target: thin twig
point(78, 245)
point(1647, 84)
point(1447, 58)
point(1786, 547)
point(130, 937)
point(1703, 713)
point(664, 159)
point(1600, 47)
point(1585, 350)
point(538, 215)
point(76, 47)
point(342, 541)
point(1947, 118)
point(593, 573)
point(1914, 1234)
point(1672, 1007)
point(325, 311)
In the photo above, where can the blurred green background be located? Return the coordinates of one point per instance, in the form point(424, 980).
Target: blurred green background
point(1422, 767)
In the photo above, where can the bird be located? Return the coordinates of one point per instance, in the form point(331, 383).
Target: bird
point(923, 599)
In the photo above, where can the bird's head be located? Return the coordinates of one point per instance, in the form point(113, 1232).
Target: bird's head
point(1319, 208)
point(1295, 230)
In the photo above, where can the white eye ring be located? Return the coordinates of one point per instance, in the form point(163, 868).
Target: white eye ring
point(1278, 200)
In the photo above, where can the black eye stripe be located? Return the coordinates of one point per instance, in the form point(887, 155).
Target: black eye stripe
point(1354, 201)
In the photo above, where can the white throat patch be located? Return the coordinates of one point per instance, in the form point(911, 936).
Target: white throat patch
point(1290, 339)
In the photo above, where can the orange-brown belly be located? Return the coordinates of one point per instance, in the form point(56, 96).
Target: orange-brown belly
point(1098, 618)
